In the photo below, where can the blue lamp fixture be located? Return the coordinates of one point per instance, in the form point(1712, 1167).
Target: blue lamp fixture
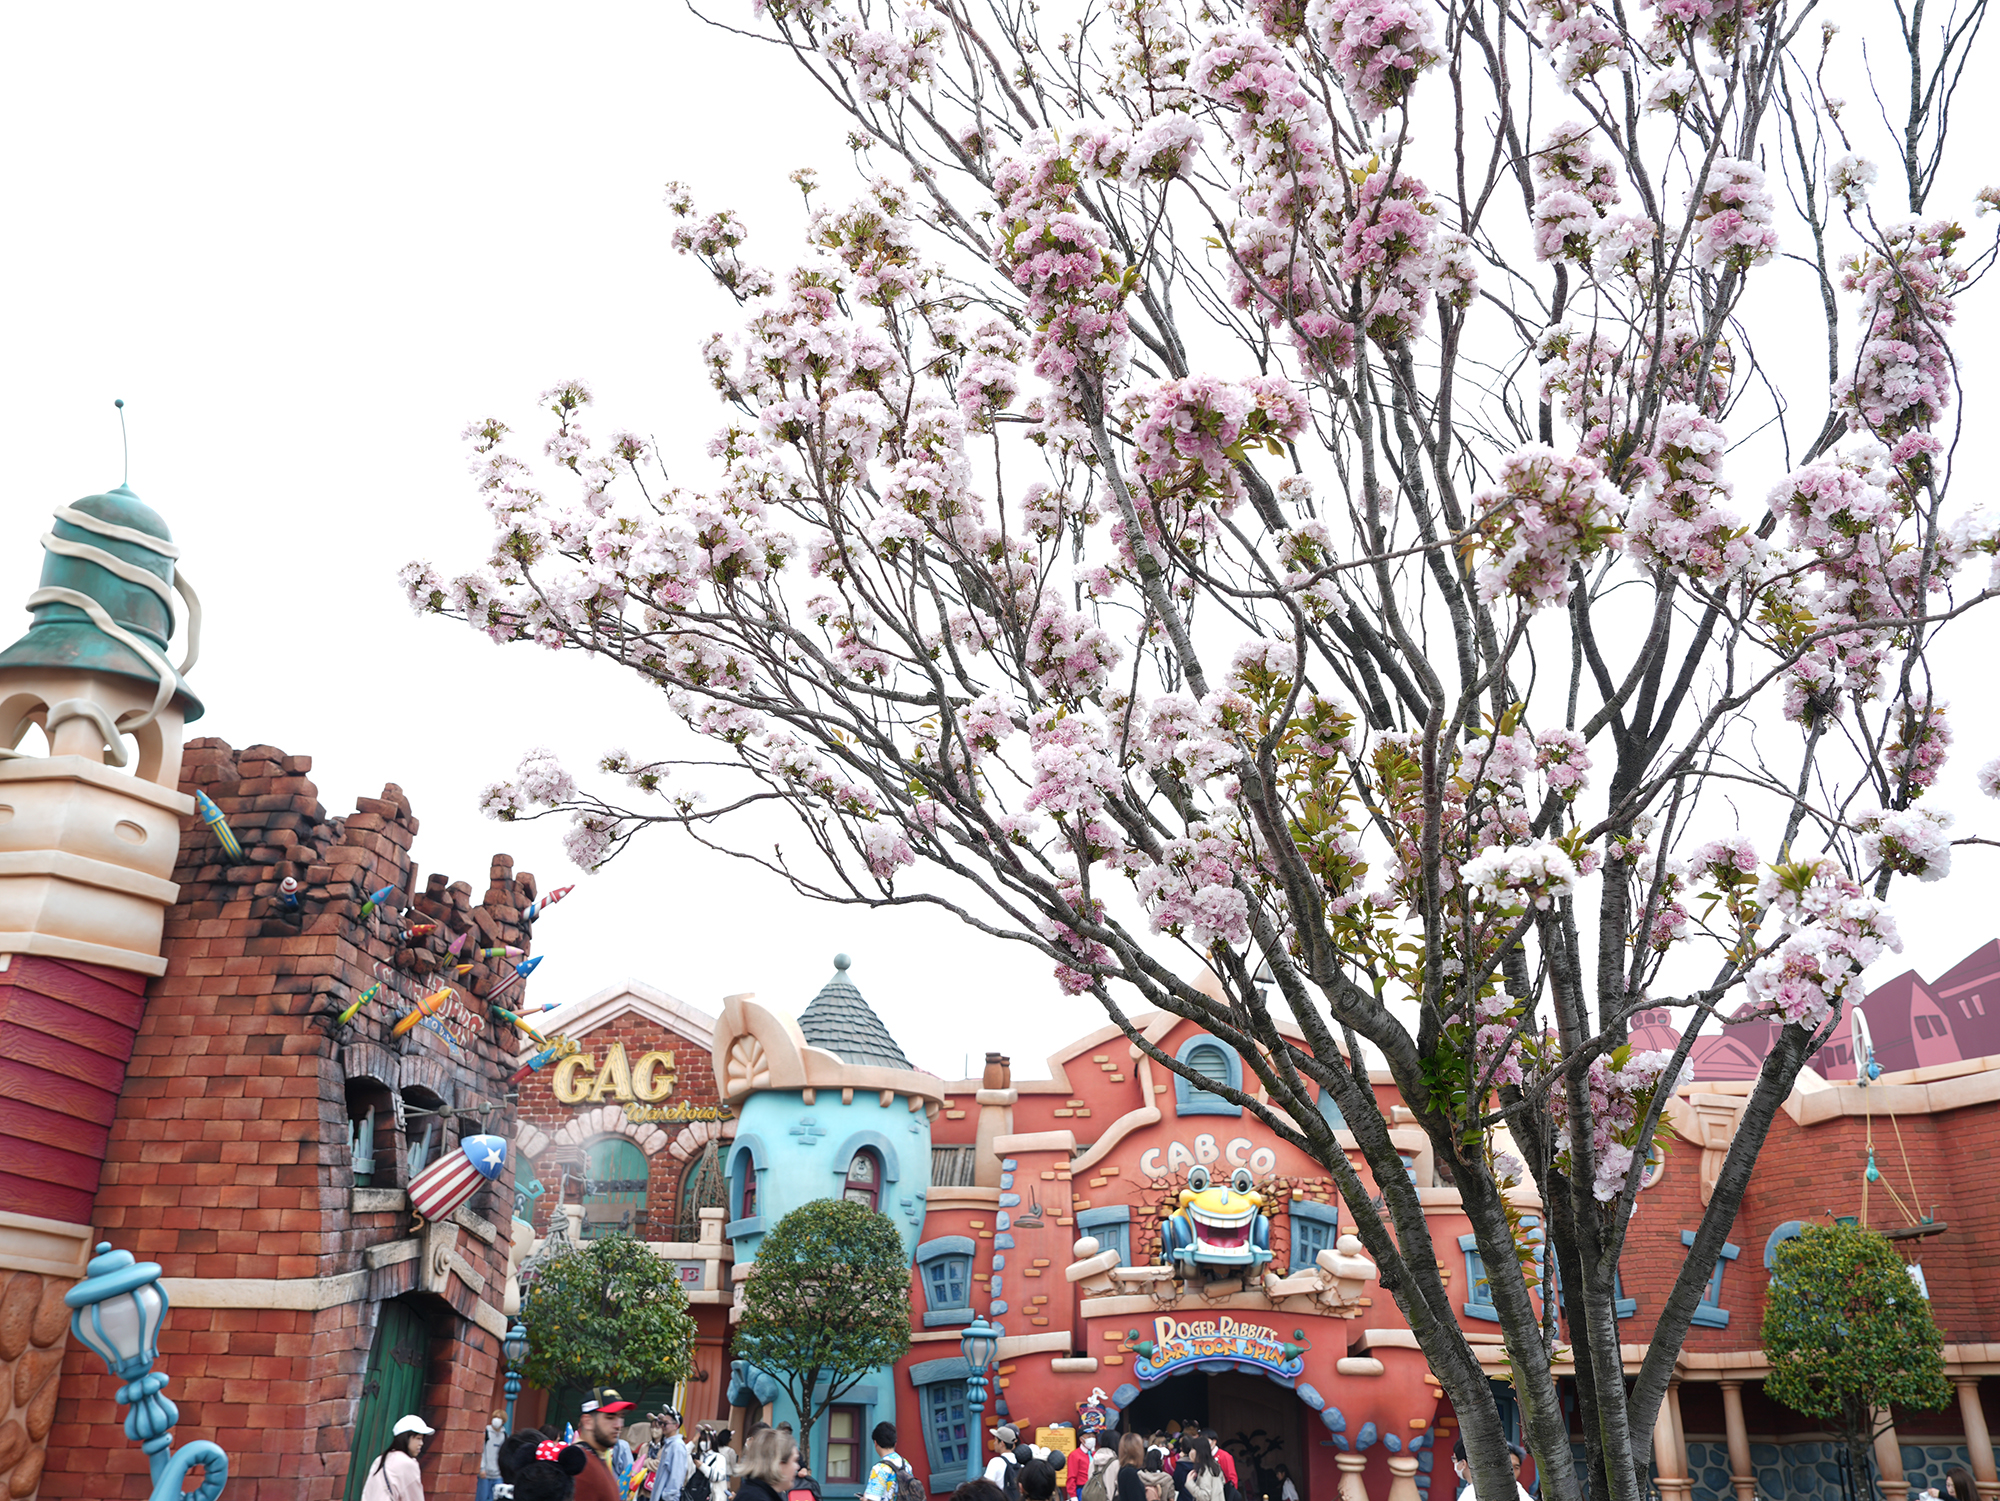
point(977, 1342)
point(117, 1311)
point(515, 1347)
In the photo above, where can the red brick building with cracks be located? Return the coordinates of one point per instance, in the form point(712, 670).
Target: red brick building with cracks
point(225, 1145)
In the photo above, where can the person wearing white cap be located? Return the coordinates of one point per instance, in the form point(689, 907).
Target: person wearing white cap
point(394, 1475)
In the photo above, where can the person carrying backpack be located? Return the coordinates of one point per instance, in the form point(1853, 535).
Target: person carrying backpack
point(891, 1478)
point(1098, 1486)
point(1004, 1468)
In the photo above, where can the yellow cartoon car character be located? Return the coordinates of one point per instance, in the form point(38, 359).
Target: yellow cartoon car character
point(1217, 1224)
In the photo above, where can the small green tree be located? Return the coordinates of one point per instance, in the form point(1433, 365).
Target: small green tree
point(827, 1301)
point(609, 1313)
point(1848, 1334)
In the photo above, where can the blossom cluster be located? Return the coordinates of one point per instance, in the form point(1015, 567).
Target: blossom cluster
point(1902, 378)
point(1831, 932)
point(1061, 258)
point(1549, 514)
point(1621, 1090)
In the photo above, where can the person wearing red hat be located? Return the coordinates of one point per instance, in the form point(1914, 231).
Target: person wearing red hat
point(597, 1431)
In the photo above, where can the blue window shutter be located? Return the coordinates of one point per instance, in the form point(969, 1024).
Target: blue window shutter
point(1211, 1060)
point(1478, 1297)
point(1315, 1228)
point(947, 1433)
point(1709, 1313)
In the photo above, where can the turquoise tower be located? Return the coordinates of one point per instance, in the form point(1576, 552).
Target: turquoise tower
point(827, 1106)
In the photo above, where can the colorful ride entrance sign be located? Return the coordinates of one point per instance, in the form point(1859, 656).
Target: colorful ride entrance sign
point(1180, 1344)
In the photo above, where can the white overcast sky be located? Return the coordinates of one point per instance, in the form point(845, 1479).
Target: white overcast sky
point(306, 245)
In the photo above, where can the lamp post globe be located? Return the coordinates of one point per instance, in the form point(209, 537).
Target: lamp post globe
point(116, 1312)
point(515, 1348)
point(977, 1342)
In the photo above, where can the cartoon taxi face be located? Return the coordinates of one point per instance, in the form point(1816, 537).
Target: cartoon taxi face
point(1220, 1222)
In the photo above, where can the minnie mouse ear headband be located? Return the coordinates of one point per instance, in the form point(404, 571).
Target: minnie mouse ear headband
point(569, 1458)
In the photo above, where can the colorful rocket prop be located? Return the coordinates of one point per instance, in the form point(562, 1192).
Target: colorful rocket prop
point(506, 951)
point(288, 893)
point(419, 929)
point(515, 1019)
point(376, 899)
point(457, 945)
point(205, 808)
point(535, 908)
point(454, 1178)
point(430, 1005)
point(526, 968)
point(560, 1047)
point(358, 1002)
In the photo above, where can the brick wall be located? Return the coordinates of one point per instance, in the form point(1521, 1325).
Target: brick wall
point(228, 1157)
point(668, 1167)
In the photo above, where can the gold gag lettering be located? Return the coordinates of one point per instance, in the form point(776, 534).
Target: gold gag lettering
point(615, 1078)
point(568, 1087)
point(653, 1078)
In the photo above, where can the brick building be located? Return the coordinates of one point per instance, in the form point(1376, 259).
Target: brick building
point(173, 1078)
point(1139, 1238)
point(624, 1135)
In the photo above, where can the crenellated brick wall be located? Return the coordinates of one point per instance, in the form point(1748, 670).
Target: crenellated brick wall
point(228, 1159)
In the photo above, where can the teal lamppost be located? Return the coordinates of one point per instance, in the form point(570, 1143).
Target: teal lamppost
point(978, 1343)
point(117, 1312)
point(515, 1348)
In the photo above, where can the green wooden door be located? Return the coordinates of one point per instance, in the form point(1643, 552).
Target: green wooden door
point(393, 1387)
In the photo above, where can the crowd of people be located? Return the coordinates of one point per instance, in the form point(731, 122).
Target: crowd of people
point(597, 1461)
point(1183, 1462)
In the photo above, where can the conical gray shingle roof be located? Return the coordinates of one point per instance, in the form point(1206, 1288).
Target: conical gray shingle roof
point(840, 1021)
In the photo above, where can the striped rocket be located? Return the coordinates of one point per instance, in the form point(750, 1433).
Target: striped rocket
point(452, 1179)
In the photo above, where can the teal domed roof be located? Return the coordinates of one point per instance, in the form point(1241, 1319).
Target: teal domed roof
point(63, 636)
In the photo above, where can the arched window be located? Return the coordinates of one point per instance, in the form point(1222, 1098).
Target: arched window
point(703, 1186)
point(1211, 1060)
point(614, 1199)
point(864, 1179)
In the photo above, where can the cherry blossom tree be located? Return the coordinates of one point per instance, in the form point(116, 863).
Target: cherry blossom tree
point(1254, 486)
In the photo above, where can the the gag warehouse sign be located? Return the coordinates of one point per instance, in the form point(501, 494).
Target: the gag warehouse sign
point(1181, 1343)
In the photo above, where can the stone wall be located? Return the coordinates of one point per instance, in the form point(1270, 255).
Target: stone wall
point(229, 1156)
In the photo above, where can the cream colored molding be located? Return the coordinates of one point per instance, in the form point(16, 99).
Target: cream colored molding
point(466, 1219)
point(1933, 1098)
point(1710, 1121)
point(579, 1019)
point(86, 870)
point(1080, 1365)
point(304, 1294)
point(489, 1318)
point(1387, 1339)
point(1035, 1141)
point(962, 1198)
point(378, 1201)
point(1014, 1346)
point(54, 1248)
point(389, 1253)
point(530, 1141)
point(83, 770)
point(609, 1120)
point(88, 953)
